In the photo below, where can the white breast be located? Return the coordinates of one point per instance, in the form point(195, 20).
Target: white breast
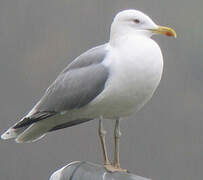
point(136, 66)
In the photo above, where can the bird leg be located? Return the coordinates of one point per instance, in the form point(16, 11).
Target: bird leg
point(117, 135)
point(102, 134)
point(109, 167)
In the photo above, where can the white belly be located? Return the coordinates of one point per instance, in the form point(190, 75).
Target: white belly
point(134, 76)
point(132, 81)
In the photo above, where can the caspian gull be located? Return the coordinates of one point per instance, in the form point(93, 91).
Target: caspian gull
point(109, 81)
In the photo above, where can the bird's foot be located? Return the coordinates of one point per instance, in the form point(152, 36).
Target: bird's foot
point(112, 168)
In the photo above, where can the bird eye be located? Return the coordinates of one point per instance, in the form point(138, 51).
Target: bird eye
point(136, 21)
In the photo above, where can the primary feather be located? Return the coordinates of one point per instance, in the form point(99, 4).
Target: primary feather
point(75, 87)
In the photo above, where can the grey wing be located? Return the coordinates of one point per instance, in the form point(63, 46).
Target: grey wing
point(76, 86)
point(75, 89)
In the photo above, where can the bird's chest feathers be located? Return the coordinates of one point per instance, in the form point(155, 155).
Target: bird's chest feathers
point(135, 74)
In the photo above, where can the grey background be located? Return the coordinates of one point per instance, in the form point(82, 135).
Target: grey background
point(39, 37)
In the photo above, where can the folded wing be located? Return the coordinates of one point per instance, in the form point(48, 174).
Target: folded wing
point(76, 86)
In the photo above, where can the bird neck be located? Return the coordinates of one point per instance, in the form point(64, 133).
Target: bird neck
point(119, 34)
point(118, 39)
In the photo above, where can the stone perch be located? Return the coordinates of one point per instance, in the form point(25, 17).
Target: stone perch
point(88, 171)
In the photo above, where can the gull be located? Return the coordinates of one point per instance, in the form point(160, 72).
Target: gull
point(110, 81)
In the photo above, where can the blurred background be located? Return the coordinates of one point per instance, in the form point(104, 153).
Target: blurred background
point(38, 38)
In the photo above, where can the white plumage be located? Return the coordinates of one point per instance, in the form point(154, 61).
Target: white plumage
point(122, 76)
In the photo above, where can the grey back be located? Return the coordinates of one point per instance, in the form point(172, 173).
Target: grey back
point(78, 84)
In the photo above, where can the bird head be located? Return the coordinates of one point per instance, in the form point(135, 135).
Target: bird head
point(134, 21)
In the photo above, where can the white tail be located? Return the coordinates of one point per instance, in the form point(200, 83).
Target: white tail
point(33, 133)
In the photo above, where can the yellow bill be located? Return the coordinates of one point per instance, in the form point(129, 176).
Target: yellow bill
point(165, 31)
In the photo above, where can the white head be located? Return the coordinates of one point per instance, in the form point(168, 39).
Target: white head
point(133, 21)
